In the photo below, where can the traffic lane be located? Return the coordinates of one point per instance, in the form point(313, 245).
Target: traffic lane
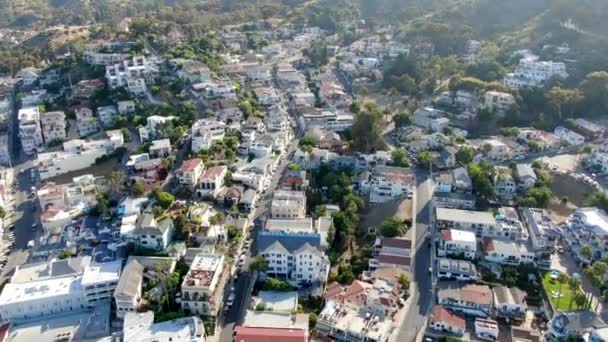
point(26, 211)
point(234, 314)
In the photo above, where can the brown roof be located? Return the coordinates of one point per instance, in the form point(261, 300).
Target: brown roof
point(213, 172)
point(394, 259)
point(441, 314)
point(480, 294)
point(191, 164)
point(446, 235)
point(333, 290)
point(488, 245)
point(397, 243)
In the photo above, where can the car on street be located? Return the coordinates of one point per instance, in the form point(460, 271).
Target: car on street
point(34, 227)
point(230, 300)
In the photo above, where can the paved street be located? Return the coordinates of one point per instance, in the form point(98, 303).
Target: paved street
point(420, 302)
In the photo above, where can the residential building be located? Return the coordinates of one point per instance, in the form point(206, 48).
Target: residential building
point(192, 71)
point(45, 289)
point(505, 185)
point(266, 96)
point(160, 148)
point(446, 158)
point(588, 226)
point(379, 298)
point(288, 204)
point(523, 334)
point(391, 252)
point(214, 91)
point(543, 233)
point(53, 126)
point(575, 325)
point(457, 243)
point(345, 324)
point(107, 115)
point(86, 88)
point(424, 117)
point(86, 122)
point(440, 124)
point(205, 132)
point(98, 58)
point(451, 269)
point(387, 183)
point(76, 155)
point(203, 286)
point(454, 200)
point(470, 299)
point(509, 302)
point(446, 321)
point(152, 234)
point(130, 74)
point(568, 136)
point(128, 293)
point(153, 126)
point(501, 101)
point(125, 107)
point(190, 172)
point(534, 73)
point(141, 326)
point(211, 181)
point(497, 149)
point(461, 180)
point(480, 223)
point(526, 176)
point(30, 130)
point(277, 301)
point(261, 146)
point(507, 252)
point(272, 327)
point(306, 264)
point(589, 129)
point(291, 233)
point(486, 328)
point(5, 153)
point(444, 183)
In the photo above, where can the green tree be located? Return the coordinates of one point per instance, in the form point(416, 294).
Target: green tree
point(294, 167)
point(481, 176)
point(138, 188)
point(562, 279)
point(259, 264)
point(165, 199)
point(403, 119)
point(574, 284)
point(598, 199)
point(587, 251)
point(392, 228)
point(426, 159)
point(103, 205)
point(399, 157)
point(595, 92)
point(274, 284)
point(355, 107)
point(2, 212)
point(403, 282)
point(367, 129)
point(465, 155)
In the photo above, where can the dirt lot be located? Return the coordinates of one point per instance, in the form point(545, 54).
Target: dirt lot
point(374, 215)
point(567, 186)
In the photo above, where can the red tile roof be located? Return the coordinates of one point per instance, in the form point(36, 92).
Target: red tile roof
point(191, 164)
point(441, 314)
point(213, 172)
point(488, 245)
point(446, 235)
point(246, 334)
point(333, 290)
point(290, 181)
point(480, 294)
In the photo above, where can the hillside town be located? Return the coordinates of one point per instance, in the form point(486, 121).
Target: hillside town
point(270, 193)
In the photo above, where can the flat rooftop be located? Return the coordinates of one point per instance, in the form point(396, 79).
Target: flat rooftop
point(290, 225)
point(102, 272)
point(37, 290)
point(279, 301)
point(465, 216)
point(270, 319)
point(204, 270)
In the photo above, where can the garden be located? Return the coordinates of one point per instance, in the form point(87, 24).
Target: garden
point(564, 291)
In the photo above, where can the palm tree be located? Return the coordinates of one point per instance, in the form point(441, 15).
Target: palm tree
point(115, 179)
point(562, 278)
point(574, 284)
point(580, 299)
point(587, 252)
point(259, 264)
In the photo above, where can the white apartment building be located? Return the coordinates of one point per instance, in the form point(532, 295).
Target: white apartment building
point(53, 126)
point(451, 269)
point(288, 204)
point(211, 181)
point(5, 153)
point(130, 74)
point(125, 107)
point(160, 148)
point(98, 58)
point(386, 183)
point(76, 155)
point(505, 186)
point(306, 264)
point(478, 222)
point(507, 252)
point(57, 287)
point(534, 73)
point(569, 136)
point(205, 132)
point(455, 242)
point(107, 115)
point(543, 233)
point(30, 130)
point(153, 123)
point(203, 286)
point(589, 226)
point(87, 123)
point(328, 120)
point(500, 100)
point(214, 91)
point(141, 327)
point(127, 294)
point(345, 324)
